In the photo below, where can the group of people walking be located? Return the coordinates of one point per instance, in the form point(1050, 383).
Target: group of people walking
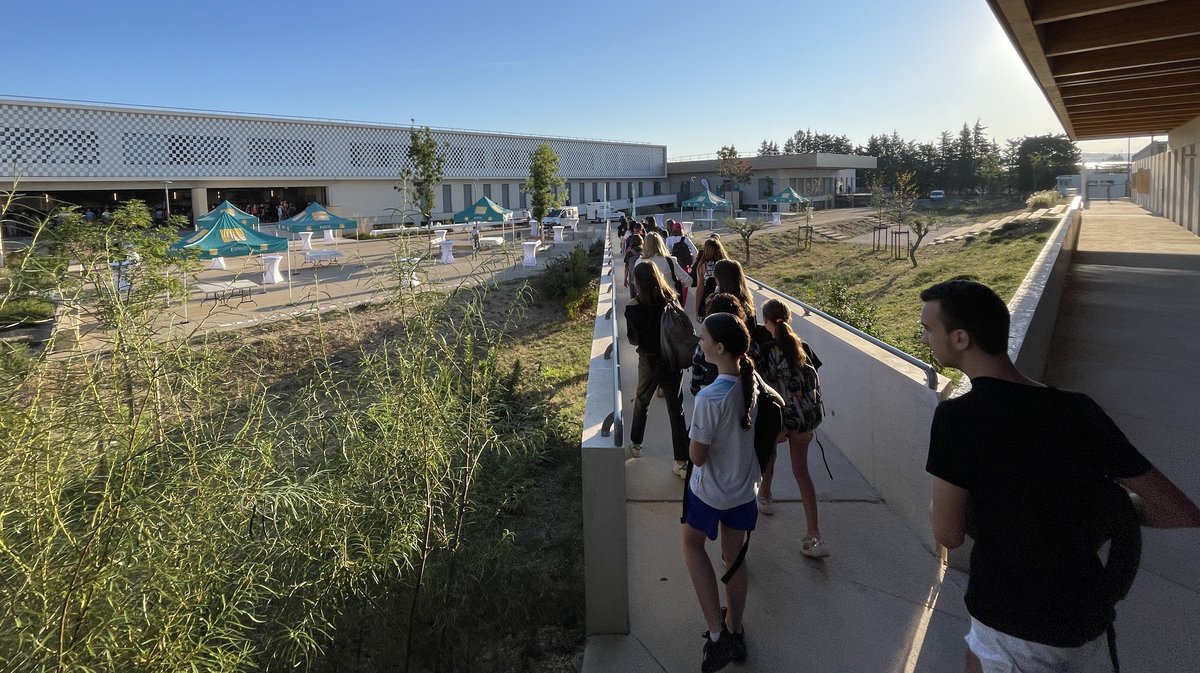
point(738, 362)
point(1039, 477)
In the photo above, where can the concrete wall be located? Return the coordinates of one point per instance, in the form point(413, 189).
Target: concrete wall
point(1168, 183)
point(605, 543)
point(1034, 306)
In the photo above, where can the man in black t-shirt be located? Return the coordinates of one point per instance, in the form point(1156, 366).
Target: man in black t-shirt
point(1031, 460)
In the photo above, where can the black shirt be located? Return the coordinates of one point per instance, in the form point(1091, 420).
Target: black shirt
point(1031, 458)
point(642, 326)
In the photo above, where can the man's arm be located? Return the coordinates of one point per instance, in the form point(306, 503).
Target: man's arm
point(1165, 505)
point(698, 453)
point(949, 513)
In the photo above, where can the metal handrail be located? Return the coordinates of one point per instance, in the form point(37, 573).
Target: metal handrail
point(617, 414)
point(931, 377)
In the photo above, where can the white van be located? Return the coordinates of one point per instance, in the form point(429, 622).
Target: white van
point(560, 215)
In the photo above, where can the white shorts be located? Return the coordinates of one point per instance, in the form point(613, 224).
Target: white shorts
point(1002, 653)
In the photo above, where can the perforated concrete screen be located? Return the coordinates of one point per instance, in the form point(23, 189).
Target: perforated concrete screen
point(51, 140)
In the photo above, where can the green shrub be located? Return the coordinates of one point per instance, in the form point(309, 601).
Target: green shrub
point(566, 279)
point(24, 311)
point(852, 308)
point(1043, 199)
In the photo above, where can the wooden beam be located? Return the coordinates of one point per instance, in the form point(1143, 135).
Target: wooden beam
point(1147, 83)
point(1129, 73)
point(1176, 50)
point(1165, 20)
point(1136, 116)
point(1046, 11)
point(1132, 101)
point(1130, 127)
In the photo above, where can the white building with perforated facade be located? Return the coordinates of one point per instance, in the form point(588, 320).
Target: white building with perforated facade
point(96, 155)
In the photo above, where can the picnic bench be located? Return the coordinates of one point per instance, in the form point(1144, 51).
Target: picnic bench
point(225, 290)
point(317, 258)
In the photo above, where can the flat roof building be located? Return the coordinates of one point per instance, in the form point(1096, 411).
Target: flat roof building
point(99, 154)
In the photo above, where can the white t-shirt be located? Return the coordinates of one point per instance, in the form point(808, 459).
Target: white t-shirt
point(730, 475)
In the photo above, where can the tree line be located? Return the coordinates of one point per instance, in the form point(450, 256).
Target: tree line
point(970, 162)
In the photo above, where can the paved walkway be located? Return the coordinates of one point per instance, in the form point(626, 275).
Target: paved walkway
point(1127, 335)
point(878, 603)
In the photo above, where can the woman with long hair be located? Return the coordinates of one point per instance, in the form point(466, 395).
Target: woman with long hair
point(643, 317)
point(720, 491)
point(654, 250)
point(790, 367)
point(731, 279)
point(705, 267)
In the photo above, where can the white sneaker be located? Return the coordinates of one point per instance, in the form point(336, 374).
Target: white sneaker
point(635, 450)
point(766, 505)
point(680, 469)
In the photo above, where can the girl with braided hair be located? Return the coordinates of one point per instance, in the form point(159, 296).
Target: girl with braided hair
point(720, 493)
point(791, 368)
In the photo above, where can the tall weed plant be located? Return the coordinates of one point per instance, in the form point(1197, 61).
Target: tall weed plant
point(166, 506)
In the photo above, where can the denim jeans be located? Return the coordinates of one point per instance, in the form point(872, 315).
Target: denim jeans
point(650, 377)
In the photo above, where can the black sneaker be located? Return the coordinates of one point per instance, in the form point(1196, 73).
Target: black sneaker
point(718, 655)
point(739, 639)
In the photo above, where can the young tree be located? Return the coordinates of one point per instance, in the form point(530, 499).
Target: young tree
point(427, 169)
point(745, 229)
point(903, 197)
point(543, 183)
point(921, 226)
point(732, 168)
point(880, 198)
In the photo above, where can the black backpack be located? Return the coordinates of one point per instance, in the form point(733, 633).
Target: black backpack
point(682, 252)
point(1118, 523)
point(677, 338)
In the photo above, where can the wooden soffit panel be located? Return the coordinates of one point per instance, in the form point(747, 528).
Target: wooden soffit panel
point(1110, 68)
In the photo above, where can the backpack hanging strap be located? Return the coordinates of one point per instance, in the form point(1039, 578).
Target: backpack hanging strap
point(1111, 633)
point(737, 562)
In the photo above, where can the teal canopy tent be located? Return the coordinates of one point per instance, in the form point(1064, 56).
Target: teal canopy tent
point(227, 237)
point(484, 210)
point(788, 195)
point(706, 200)
point(316, 218)
point(227, 208)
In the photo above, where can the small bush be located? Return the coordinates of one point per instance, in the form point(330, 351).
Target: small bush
point(566, 279)
point(24, 311)
point(1043, 199)
point(852, 308)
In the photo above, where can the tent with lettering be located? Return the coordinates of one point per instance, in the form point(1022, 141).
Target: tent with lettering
point(227, 237)
point(316, 218)
point(226, 208)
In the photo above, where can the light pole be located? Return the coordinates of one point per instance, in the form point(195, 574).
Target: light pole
point(167, 201)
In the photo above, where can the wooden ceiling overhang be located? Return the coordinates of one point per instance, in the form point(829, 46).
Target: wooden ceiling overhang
point(1111, 68)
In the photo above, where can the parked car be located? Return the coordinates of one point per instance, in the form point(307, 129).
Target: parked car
point(560, 215)
point(937, 194)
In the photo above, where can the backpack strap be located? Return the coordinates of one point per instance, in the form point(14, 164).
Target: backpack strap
point(737, 562)
point(671, 264)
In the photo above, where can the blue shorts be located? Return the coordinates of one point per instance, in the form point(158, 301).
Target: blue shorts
point(704, 518)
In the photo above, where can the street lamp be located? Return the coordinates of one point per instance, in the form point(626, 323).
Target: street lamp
point(167, 201)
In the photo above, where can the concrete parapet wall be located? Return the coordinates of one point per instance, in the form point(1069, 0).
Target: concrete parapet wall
point(1034, 306)
point(605, 542)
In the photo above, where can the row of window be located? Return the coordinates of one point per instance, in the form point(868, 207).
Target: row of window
point(576, 192)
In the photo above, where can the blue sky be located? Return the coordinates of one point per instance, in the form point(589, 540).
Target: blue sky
point(692, 76)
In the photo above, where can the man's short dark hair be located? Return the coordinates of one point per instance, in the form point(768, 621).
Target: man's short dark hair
point(972, 306)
